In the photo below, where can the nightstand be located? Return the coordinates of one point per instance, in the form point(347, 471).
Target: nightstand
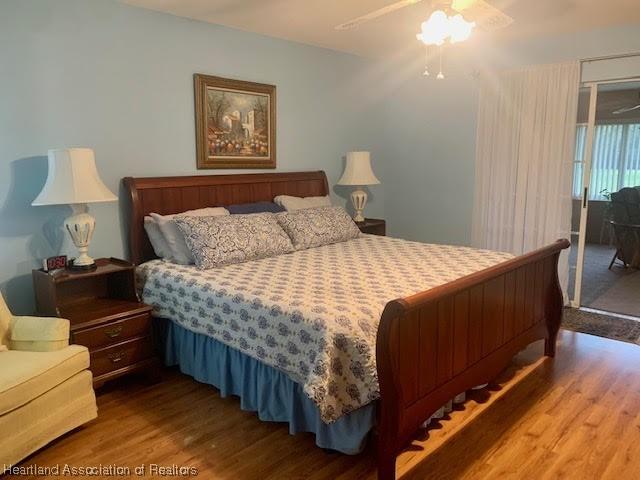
point(374, 226)
point(106, 316)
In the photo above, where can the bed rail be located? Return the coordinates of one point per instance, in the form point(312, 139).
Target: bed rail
point(436, 344)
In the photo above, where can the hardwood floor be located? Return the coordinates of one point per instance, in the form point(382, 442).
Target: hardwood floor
point(577, 416)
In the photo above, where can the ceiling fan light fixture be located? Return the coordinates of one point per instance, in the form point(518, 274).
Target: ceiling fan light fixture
point(439, 27)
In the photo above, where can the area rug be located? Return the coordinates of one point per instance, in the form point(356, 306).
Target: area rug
point(622, 297)
point(616, 328)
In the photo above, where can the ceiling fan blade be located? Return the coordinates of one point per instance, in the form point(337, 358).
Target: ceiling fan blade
point(353, 23)
point(484, 14)
point(626, 109)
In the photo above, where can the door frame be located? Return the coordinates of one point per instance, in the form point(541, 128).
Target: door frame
point(587, 162)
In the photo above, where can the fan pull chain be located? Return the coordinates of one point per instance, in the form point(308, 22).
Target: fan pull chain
point(426, 61)
point(440, 75)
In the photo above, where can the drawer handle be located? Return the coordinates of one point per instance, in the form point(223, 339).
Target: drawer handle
point(116, 357)
point(113, 332)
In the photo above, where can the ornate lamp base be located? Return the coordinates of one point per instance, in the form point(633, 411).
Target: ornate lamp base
point(359, 200)
point(80, 226)
point(81, 268)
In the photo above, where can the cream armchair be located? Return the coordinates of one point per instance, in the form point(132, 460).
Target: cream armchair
point(46, 388)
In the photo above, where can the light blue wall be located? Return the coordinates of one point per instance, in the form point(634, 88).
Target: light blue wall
point(430, 130)
point(119, 79)
point(429, 154)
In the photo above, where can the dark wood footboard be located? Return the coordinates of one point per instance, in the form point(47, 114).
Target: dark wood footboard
point(439, 343)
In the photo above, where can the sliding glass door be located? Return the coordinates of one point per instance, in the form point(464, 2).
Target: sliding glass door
point(580, 205)
point(607, 159)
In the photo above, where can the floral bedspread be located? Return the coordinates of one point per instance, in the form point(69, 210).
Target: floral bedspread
point(313, 313)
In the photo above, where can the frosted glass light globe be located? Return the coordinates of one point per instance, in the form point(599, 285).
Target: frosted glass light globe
point(459, 28)
point(435, 30)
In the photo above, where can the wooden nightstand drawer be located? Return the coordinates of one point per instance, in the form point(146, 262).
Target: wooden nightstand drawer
point(117, 356)
point(114, 332)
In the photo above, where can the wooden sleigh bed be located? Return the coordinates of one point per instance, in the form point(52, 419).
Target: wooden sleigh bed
point(430, 346)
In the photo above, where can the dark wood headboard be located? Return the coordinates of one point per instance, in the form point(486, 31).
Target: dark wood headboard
point(166, 195)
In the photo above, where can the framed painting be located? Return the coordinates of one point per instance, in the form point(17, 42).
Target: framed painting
point(235, 123)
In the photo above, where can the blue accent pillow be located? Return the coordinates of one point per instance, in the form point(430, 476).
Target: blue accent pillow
point(257, 207)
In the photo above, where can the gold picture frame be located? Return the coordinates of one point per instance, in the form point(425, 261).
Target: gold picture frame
point(235, 123)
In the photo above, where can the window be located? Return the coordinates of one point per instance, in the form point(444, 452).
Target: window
point(616, 159)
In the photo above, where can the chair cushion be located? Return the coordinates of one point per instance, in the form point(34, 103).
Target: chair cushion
point(39, 328)
point(39, 334)
point(27, 375)
point(5, 321)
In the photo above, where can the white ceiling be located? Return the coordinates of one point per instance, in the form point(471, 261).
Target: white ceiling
point(313, 21)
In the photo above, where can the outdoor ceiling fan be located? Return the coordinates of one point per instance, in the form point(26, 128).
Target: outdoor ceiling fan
point(485, 15)
point(441, 27)
point(629, 108)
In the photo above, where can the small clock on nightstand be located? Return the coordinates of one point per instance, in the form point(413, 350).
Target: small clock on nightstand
point(373, 226)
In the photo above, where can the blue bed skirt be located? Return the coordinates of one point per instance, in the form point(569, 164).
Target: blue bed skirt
point(263, 389)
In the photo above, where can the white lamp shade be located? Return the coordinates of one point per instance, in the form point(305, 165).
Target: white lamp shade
point(73, 178)
point(358, 170)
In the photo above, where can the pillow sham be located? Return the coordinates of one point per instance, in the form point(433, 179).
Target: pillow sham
point(156, 238)
point(179, 251)
point(291, 204)
point(257, 207)
point(223, 240)
point(314, 227)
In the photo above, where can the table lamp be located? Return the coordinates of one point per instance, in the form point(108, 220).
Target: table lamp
point(358, 173)
point(73, 180)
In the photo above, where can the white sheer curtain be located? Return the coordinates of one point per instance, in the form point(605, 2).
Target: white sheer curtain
point(524, 160)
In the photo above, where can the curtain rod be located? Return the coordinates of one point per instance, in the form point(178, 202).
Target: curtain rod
point(610, 57)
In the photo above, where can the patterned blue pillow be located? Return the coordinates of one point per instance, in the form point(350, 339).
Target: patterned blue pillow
point(314, 227)
point(257, 207)
point(227, 239)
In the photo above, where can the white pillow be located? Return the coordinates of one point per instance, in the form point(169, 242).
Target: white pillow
point(291, 204)
point(159, 244)
point(179, 251)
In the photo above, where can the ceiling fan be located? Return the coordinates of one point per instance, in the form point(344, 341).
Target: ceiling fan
point(485, 15)
point(622, 110)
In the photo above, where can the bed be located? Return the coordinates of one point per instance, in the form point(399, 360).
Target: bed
point(421, 337)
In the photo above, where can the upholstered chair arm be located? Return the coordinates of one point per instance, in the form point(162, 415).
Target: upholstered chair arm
point(39, 334)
